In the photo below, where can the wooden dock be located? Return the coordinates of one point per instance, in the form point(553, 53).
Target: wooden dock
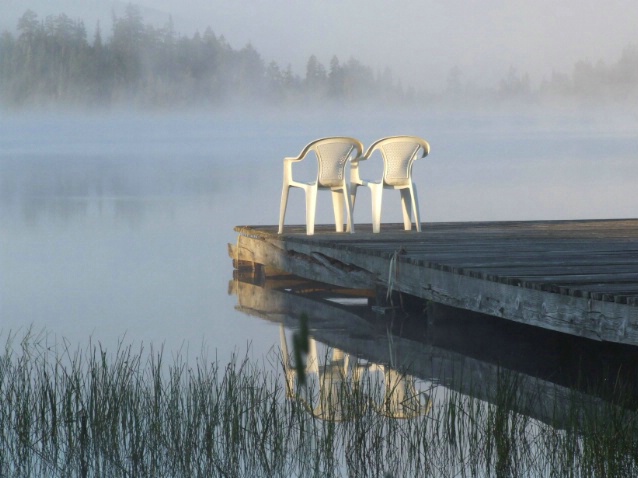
point(577, 277)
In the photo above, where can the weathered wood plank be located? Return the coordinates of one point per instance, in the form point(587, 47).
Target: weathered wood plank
point(578, 277)
point(313, 265)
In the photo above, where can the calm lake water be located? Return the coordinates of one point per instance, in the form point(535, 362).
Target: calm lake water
point(116, 227)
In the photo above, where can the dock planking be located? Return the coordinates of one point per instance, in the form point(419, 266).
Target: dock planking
point(579, 277)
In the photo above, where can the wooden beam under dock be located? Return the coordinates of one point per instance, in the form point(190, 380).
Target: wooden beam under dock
point(577, 277)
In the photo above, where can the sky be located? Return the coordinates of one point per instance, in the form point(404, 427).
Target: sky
point(420, 41)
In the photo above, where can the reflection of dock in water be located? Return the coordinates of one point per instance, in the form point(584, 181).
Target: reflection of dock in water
point(546, 371)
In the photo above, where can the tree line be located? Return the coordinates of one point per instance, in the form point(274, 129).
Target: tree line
point(53, 62)
point(588, 84)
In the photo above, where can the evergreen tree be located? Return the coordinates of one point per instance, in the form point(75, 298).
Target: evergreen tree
point(335, 79)
point(52, 61)
point(316, 78)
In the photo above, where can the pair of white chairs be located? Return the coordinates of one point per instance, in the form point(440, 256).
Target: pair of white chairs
point(333, 155)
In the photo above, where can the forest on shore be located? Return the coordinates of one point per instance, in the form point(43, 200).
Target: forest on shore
point(51, 62)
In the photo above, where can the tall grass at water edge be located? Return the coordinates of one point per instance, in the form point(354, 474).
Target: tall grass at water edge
point(131, 412)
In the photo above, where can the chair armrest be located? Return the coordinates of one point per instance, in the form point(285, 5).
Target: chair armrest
point(371, 149)
point(288, 168)
point(425, 146)
point(354, 172)
point(288, 161)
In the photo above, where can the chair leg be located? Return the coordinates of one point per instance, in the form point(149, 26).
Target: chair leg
point(353, 198)
point(415, 207)
point(282, 207)
point(353, 194)
point(376, 193)
point(406, 207)
point(337, 205)
point(349, 211)
point(311, 206)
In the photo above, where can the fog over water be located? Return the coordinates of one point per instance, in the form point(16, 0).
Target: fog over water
point(117, 226)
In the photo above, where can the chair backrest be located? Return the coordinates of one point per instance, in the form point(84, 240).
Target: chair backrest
point(332, 156)
point(399, 153)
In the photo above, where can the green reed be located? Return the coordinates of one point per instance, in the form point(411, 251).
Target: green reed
point(133, 412)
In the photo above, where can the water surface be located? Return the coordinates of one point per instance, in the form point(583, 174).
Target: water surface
point(116, 226)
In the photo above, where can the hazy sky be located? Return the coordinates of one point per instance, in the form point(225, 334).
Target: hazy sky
point(419, 40)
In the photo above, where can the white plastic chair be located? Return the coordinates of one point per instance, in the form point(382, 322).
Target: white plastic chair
point(332, 157)
point(399, 153)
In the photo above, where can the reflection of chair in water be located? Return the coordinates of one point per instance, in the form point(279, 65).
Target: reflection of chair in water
point(337, 378)
point(402, 400)
point(399, 153)
point(332, 158)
